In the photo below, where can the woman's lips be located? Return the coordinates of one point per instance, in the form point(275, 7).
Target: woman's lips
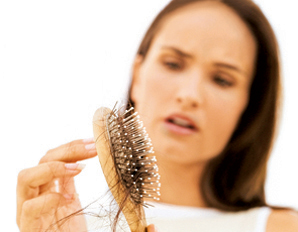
point(180, 125)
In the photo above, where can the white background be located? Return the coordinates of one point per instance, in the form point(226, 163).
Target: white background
point(61, 60)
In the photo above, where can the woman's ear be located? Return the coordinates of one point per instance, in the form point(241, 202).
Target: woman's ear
point(135, 77)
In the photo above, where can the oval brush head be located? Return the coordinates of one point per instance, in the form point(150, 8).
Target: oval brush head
point(125, 153)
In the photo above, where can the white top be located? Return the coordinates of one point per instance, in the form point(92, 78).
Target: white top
point(173, 218)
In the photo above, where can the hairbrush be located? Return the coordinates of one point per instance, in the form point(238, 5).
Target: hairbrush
point(126, 156)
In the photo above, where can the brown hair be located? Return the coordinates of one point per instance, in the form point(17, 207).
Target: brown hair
point(235, 179)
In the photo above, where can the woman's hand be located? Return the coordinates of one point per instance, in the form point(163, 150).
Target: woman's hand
point(46, 192)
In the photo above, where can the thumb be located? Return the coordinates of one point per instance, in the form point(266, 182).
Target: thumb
point(152, 228)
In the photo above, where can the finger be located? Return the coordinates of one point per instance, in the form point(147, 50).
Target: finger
point(30, 179)
point(152, 228)
point(72, 152)
point(34, 209)
point(60, 185)
point(46, 172)
point(67, 185)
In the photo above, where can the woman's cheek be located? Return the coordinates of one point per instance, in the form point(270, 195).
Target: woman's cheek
point(159, 86)
point(223, 113)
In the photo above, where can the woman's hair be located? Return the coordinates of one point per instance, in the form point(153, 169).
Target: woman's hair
point(235, 179)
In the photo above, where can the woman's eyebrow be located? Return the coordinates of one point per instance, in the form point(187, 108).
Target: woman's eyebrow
point(178, 51)
point(230, 66)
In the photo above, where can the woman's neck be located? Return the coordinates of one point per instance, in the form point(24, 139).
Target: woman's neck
point(180, 184)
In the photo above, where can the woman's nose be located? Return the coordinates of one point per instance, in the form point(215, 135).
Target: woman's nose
point(190, 92)
point(187, 102)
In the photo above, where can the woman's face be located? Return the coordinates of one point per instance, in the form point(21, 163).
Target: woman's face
point(193, 85)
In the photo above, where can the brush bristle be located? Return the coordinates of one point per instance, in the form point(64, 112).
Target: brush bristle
point(132, 151)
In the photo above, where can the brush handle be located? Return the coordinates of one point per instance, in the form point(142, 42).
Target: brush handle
point(134, 215)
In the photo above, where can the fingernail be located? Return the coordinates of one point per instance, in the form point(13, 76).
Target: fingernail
point(75, 166)
point(90, 146)
point(89, 140)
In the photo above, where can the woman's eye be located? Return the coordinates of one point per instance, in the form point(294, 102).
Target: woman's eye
point(222, 81)
point(172, 65)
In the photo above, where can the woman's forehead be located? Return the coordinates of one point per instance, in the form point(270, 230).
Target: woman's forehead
point(209, 29)
point(211, 22)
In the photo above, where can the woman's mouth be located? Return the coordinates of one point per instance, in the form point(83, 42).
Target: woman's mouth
point(180, 125)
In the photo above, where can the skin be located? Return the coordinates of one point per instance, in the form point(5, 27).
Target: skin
point(209, 84)
point(213, 96)
point(39, 204)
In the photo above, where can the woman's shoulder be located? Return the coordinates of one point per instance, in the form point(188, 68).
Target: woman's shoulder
point(282, 220)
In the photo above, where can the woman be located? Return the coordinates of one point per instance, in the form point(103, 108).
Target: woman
point(206, 84)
